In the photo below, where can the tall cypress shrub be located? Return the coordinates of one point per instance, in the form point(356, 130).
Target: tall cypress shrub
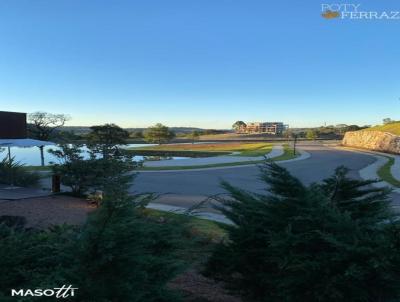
point(333, 241)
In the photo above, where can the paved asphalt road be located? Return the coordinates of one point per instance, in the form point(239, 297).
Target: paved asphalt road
point(184, 188)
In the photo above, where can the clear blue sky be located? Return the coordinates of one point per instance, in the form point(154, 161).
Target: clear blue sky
point(199, 63)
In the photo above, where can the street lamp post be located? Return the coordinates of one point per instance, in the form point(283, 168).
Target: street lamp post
point(294, 143)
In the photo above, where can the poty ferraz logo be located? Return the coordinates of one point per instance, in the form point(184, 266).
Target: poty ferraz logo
point(57, 292)
point(354, 12)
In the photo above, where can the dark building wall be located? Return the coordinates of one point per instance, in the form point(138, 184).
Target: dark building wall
point(12, 125)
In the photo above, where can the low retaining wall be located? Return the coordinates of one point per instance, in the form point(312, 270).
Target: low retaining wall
point(372, 140)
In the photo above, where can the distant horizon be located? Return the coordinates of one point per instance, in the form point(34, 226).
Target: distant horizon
point(204, 128)
point(70, 123)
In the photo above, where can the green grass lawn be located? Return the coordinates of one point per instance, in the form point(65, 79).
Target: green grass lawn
point(199, 235)
point(385, 174)
point(287, 154)
point(260, 150)
point(245, 149)
point(37, 168)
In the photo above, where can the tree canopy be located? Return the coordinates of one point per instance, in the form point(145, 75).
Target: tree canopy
point(311, 134)
point(238, 124)
point(43, 124)
point(158, 134)
point(105, 139)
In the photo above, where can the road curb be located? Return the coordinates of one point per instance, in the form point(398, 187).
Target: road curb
point(303, 155)
point(276, 151)
point(370, 171)
point(181, 210)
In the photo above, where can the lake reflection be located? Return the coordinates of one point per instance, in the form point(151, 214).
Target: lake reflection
point(31, 156)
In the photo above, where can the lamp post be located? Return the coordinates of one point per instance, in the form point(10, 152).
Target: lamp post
point(294, 143)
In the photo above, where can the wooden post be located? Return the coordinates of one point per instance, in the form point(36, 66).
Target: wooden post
point(56, 183)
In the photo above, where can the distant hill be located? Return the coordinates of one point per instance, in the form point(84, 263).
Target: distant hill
point(393, 128)
point(85, 129)
point(76, 129)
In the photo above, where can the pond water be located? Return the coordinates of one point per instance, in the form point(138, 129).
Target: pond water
point(31, 156)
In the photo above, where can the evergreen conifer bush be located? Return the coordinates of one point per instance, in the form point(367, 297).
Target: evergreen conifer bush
point(333, 241)
point(118, 255)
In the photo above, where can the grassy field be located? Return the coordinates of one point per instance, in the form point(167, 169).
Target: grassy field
point(393, 128)
point(385, 174)
point(232, 135)
point(245, 149)
point(37, 168)
point(199, 235)
point(182, 153)
point(288, 154)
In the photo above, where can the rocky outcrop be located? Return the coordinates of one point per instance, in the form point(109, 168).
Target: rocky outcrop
point(372, 140)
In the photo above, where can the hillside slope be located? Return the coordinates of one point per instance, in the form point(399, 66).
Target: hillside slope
point(393, 128)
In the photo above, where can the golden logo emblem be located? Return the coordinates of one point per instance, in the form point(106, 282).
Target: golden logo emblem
point(330, 14)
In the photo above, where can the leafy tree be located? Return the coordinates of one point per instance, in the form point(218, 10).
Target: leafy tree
point(66, 137)
point(353, 128)
point(387, 121)
point(136, 134)
point(334, 241)
point(43, 125)
point(311, 134)
point(158, 134)
point(83, 174)
point(105, 139)
point(194, 136)
point(288, 133)
point(238, 125)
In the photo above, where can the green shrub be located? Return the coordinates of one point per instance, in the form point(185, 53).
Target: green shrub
point(125, 258)
point(117, 256)
point(334, 241)
point(82, 175)
point(14, 173)
point(36, 259)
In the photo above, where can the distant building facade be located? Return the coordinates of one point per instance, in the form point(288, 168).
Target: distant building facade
point(274, 128)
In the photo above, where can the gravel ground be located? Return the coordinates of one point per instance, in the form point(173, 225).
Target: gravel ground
point(42, 212)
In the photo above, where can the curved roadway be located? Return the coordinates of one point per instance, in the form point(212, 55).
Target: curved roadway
point(186, 188)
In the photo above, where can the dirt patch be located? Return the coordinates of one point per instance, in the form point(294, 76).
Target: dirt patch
point(42, 212)
point(197, 288)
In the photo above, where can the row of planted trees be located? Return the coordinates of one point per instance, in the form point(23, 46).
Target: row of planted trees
point(46, 126)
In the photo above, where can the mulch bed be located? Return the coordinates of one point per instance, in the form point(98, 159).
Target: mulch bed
point(42, 212)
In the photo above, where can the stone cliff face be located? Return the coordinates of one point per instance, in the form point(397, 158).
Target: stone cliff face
point(373, 140)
